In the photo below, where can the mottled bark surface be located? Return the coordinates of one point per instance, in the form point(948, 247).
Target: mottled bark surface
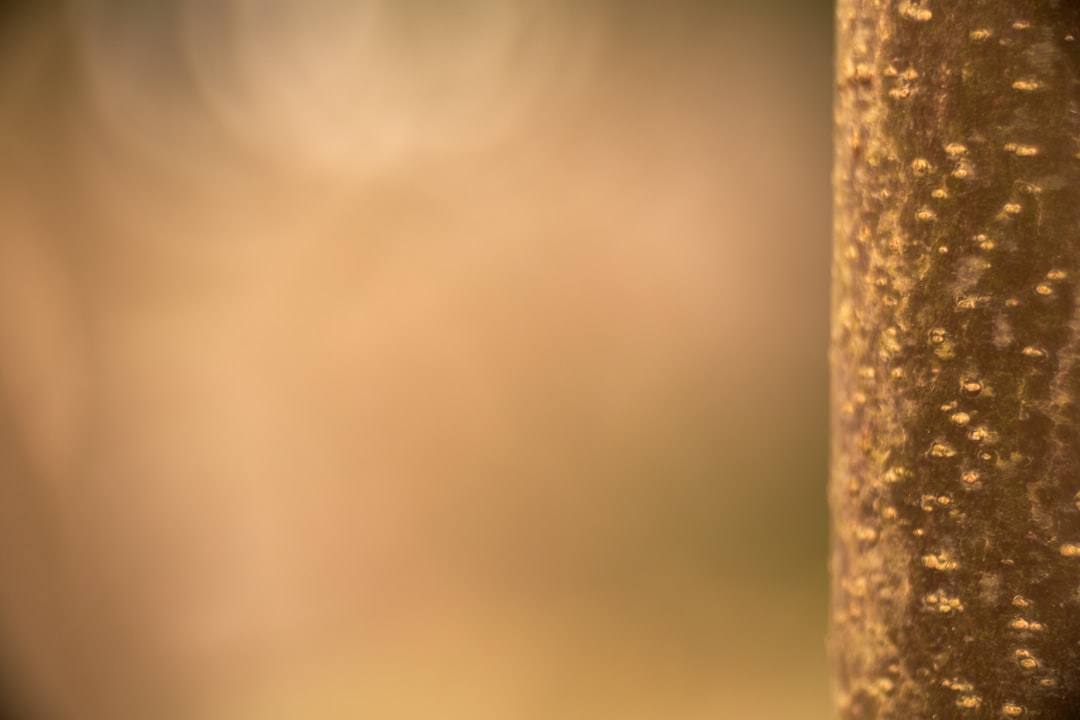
point(956, 360)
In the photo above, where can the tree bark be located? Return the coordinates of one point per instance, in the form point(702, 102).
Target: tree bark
point(956, 360)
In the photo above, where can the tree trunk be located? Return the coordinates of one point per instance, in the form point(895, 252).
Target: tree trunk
point(956, 360)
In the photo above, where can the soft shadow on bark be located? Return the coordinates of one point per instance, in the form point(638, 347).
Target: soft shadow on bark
point(956, 360)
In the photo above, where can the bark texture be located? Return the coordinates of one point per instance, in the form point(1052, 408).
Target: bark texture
point(956, 360)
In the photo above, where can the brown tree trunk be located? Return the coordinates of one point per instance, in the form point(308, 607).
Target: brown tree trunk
point(956, 360)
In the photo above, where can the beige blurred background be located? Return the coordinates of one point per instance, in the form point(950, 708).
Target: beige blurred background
point(413, 359)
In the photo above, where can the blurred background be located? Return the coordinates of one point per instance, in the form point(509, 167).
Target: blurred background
point(410, 359)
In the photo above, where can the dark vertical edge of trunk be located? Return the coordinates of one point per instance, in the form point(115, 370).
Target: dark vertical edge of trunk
point(956, 360)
